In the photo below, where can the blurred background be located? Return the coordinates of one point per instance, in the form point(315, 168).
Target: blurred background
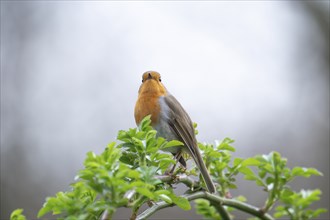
point(254, 71)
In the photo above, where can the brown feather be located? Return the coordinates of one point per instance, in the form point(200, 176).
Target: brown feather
point(182, 126)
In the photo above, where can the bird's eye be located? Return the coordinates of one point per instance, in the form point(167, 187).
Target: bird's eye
point(160, 79)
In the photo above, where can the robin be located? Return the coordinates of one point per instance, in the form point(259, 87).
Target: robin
point(170, 121)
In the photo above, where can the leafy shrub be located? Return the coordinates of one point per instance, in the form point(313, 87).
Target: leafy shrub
point(131, 174)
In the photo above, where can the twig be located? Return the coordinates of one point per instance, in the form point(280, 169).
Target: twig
point(182, 178)
point(215, 200)
point(105, 215)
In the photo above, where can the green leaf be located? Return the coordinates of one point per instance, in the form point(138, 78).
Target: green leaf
point(92, 164)
point(164, 164)
point(246, 171)
point(44, 210)
point(145, 192)
point(17, 215)
point(151, 141)
point(286, 195)
point(251, 162)
point(145, 124)
point(203, 207)
point(237, 161)
point(305, 172)
point(241, 198)
point(129, 158)
point(163, 191)
point(280, 212)
point(138, 143)
point(133, 174)
point(262, 173)
point(122, 135)
point(151, 134)
point(195, 128)
point(172, 143)
point(232, 186)
point(318, 212)
point(182, 202)
point(225, 145)
point(214, 154)
point(259, 182)
point(165, 198)
point(270, 180)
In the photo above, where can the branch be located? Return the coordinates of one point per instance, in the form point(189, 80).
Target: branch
point(215, 200)
point(182, 178)
point(238, 205)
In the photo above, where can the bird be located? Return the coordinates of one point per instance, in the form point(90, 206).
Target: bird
point(170, 120)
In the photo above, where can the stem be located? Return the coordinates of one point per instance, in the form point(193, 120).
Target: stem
point(143, 160)
point(106, 215)
point(273, 193)
point(215, 200)
point(289, 213)
point(221, 210)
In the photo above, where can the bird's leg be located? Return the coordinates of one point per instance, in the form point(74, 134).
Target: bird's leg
point(177, 158)
point(172, 170)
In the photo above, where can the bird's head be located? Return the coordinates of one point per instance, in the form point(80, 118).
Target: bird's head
point(152, 83)
point(151, 75)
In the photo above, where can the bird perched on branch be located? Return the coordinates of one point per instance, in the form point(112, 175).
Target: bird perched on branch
point(170, 120)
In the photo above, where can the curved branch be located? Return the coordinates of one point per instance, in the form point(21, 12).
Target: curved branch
point(215, 200)
point(238, 205)
point(192, 184)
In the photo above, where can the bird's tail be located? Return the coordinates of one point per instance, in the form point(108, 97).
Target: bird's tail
point(205, 173)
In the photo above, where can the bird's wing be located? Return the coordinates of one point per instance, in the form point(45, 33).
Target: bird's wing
point(181, 124)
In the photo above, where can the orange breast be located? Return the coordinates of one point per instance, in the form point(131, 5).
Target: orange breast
point(147, 105)
point(148, 101)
